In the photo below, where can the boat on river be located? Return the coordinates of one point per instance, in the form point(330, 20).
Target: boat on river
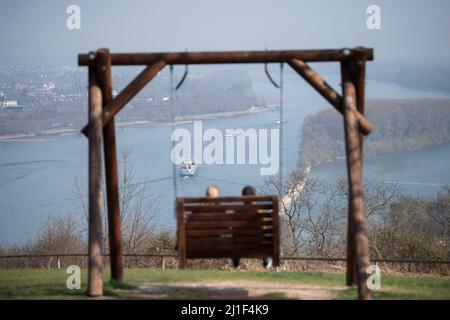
point(188, 168)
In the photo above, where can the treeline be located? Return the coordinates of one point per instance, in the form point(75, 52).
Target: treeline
point(63, 235)
point(313, 225)
point(399, 125)
point(398, 226)
point(214, 92)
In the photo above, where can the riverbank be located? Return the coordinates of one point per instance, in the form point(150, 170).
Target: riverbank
point(23, 137)
point(371, 156)
point(178, 120)
point(215, 115)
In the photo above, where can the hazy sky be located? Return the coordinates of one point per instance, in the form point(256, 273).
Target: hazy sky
point(35, 32)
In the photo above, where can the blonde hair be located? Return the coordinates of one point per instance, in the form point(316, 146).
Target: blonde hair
point(212, 191)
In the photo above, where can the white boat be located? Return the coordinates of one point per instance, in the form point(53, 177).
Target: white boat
point(188, 168)
point(275, 122)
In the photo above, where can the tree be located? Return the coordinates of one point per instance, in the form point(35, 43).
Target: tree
point(138, 207)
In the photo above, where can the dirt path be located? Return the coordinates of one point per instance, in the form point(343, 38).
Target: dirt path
point(236, 289)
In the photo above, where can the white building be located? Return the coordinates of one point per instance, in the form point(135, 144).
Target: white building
point(9, 104)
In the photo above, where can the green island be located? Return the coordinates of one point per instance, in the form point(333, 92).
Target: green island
point(402, 124)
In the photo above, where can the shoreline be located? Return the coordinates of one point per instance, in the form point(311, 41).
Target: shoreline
point(26, 136)
point(178, 120)
point(220, 114)
point(342, 158)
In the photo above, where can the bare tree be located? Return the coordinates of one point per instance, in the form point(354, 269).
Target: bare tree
point(59, 234)
point(308, 219)
point(439, 213)
point(378, 200)
point(314, 213)
point(138, 206)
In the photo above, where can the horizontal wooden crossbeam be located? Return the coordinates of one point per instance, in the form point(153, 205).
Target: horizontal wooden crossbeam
point(229, 57)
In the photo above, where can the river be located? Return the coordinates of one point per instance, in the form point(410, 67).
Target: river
point(37, 175)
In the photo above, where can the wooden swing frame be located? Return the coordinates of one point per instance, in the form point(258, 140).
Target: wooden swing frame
point(101, 131)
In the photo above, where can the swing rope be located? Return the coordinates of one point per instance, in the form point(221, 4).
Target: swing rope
point(172, 115)
point(279, 86)
point(280, 147)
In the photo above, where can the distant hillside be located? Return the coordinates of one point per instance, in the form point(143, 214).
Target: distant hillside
point(424, 77)
point(399, 125)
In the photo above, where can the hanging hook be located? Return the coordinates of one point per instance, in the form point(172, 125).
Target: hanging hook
point(276, 85)
point(266, 70)
point(182, 78)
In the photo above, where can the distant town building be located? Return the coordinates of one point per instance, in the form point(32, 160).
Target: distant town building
point(9, 104)
point(48, 86)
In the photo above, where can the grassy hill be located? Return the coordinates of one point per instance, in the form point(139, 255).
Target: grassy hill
point(188, 284)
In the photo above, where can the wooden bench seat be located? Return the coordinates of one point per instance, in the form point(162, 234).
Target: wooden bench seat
point(228, 227)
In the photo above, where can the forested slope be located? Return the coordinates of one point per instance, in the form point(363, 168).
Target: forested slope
point(399, 125)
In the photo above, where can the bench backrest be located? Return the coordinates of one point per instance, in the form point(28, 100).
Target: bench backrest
point(227, 227)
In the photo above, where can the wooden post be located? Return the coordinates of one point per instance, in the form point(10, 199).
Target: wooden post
point(181, 235)
point(358, 74)
point(95, 275)
point(276, 232)
point(351, 249)
point(359, 246)
point(103, 72)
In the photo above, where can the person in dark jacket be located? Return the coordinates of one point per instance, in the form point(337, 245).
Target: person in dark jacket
point(266, 262)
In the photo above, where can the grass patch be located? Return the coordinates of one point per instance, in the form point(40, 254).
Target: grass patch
point(275, 295)
point(186, 293)
point(51, 283)
point(136, 276)
point(394, 287)
point(37, 284)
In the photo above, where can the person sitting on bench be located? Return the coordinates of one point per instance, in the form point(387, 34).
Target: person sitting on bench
point(213, 192)
point(266, 262)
